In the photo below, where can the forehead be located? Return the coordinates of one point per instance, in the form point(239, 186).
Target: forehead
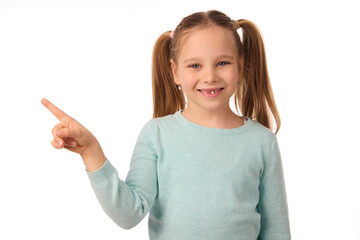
point(208, 42)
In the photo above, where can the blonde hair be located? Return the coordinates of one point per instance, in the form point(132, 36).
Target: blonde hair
point(254, 96)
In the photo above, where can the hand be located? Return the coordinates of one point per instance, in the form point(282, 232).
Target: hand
point(71, 135)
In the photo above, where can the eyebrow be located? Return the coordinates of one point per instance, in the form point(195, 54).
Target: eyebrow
point(219, 57)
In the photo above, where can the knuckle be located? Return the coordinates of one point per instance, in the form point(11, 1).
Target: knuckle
point(55, 128)
point(53, 131)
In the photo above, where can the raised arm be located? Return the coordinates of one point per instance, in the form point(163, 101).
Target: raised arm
point(126, 202)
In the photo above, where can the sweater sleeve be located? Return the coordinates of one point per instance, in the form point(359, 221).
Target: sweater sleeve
point(127, 202)
point(273, 203)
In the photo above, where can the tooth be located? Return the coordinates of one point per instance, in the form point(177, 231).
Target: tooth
point(212, 92)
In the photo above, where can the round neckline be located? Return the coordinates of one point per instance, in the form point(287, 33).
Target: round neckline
point(198, 127)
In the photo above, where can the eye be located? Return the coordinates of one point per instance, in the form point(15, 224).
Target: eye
point(194, 66)
point(223, 63)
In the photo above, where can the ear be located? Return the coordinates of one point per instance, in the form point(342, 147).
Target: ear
point(174, 72)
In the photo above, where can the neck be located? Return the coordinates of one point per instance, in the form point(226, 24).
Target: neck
point(218, 118)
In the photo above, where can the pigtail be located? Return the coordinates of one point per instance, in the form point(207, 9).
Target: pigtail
point(167, 99)
point(255, 96)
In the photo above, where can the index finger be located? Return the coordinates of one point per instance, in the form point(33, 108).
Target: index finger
point(53, 109)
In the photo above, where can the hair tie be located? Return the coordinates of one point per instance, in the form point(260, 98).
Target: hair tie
point(172, 34)
point(236, 24)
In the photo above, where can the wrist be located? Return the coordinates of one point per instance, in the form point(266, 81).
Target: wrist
point(93, 157)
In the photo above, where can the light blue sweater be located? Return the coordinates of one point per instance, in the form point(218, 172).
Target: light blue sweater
point(199, 183)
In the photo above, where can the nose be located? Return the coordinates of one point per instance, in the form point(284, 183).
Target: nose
point(209, 75)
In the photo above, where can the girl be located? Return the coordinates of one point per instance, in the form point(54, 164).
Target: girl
point(202, 171)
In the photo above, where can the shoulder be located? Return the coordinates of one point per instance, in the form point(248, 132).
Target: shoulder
point(262, 134)
point(164, 123)
point(160, 123)
point(267, 141)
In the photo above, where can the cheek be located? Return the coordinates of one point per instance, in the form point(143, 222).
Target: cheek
point(188, 80)
point(232, 77)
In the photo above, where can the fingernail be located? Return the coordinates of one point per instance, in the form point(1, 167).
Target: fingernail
point(59, 143)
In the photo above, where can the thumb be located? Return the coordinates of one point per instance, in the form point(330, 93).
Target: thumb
point(73, 133)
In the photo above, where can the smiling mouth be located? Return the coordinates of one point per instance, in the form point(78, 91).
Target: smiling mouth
point(210, 91)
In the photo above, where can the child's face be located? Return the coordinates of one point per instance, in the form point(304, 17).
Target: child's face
point(208, 68)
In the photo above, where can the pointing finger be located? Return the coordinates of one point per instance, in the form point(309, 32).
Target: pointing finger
point(53, 109)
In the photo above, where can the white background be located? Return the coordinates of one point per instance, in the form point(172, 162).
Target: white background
point(92, 59)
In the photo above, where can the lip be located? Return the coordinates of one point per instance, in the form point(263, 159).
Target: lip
point(209, 94)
